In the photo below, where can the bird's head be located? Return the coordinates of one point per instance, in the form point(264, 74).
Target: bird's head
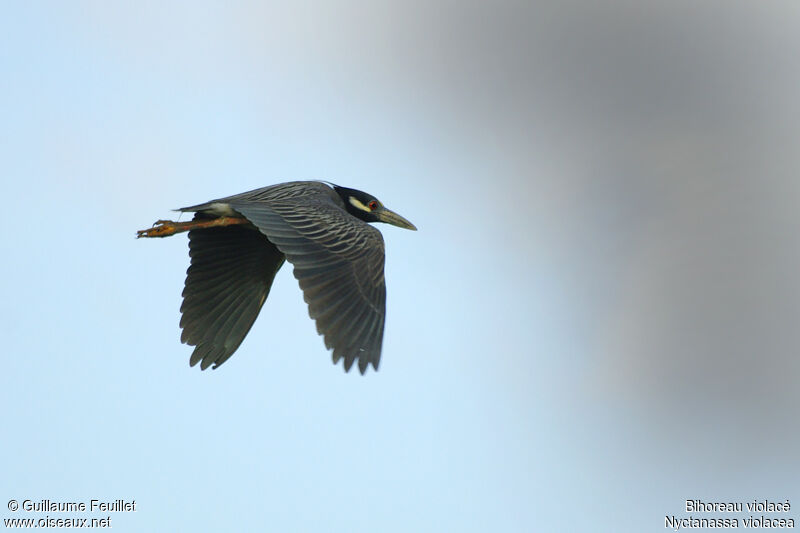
point(370, 209)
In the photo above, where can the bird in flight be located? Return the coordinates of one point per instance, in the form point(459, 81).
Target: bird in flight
point(238, 243)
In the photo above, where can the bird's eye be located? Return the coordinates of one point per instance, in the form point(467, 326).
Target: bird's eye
point(373, 205)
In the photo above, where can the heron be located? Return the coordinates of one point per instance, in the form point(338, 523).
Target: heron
point(238, 243)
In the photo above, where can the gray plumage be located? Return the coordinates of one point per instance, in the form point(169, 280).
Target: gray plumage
point(337, 257)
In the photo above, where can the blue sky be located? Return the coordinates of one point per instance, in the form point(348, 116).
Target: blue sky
point(595, 321)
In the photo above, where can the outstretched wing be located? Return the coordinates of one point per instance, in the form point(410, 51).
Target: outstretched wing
point(338, 261)
point(229, 278)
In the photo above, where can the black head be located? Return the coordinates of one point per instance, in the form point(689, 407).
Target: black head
point(370, 209)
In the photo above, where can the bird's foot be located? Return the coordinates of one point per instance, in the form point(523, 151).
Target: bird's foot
point(161, 228)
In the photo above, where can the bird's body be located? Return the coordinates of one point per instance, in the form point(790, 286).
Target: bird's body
point(237, 244)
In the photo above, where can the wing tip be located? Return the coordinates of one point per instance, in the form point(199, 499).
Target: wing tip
point(364, 361)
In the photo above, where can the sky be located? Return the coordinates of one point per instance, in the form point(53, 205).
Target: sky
point(596, 321)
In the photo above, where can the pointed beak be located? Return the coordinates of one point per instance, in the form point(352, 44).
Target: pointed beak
point(390, 217)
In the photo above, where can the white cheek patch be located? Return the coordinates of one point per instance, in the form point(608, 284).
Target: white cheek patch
point(358, 205)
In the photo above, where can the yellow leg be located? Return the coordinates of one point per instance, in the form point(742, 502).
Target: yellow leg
point(165, 228)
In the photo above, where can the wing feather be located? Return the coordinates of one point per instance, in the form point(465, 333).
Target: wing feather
point(338, 261)
point(231, 272)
